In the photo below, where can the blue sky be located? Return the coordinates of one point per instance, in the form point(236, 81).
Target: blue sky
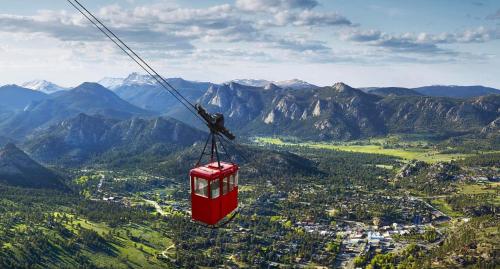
point(362, 43)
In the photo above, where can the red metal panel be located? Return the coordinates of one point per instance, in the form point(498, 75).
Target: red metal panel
point(229, 202)
point(211, 211)
point(200, 209)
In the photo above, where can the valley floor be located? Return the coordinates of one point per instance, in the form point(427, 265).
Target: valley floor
point(334, 209)
point(415, 150)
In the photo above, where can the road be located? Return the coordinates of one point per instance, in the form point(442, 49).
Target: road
point(164, 253)
point(157, 207)
point(101, 181)
point(430, 206)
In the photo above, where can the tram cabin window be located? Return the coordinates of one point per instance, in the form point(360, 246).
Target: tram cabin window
point(225, 185)
point(233, 181)
point(201, 187)
point(214, 189)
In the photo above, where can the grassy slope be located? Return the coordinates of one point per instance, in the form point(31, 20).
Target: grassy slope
point(133, 254)
point(126, 253)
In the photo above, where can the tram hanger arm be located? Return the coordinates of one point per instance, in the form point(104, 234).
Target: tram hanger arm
point(215, 122)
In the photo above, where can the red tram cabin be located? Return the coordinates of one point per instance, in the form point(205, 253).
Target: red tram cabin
point(214, 191)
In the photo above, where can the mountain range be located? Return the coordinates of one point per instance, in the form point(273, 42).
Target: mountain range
point(456, 91)
point(145, 92)
point(435, 90)
point(342, 112)
point(41, 110)
point(393, 91)
point(77, 125)
point(78, 139)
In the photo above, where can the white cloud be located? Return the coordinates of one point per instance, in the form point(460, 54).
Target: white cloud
point(275, 5)
point(420, 42)
point(244, 33)
point(309, 18)
point(168, 27)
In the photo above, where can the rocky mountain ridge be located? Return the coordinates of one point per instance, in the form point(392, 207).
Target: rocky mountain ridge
point(78, 139)
point(18, 169)
point(342, 112)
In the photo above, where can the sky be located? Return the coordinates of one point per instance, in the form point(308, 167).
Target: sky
point(362, 43)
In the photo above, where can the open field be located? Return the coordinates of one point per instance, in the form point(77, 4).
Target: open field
point(487, 188)
point(136, 245)
point(411, 151)
point(493, 187)
point(442, 205)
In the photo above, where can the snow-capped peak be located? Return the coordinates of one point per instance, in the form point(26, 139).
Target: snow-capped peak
point(132, 79)
point(286, 84)
point(295, 84)
point(138, 79)
point(252, 82)
point(43, 86)
point(111, 83)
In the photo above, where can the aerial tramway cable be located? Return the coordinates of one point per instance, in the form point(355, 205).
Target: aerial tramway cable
point(143, 64)
point(235, 147)
point(218, 132)
point(135, 57)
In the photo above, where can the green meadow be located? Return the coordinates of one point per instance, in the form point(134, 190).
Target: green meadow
point(409, 151)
